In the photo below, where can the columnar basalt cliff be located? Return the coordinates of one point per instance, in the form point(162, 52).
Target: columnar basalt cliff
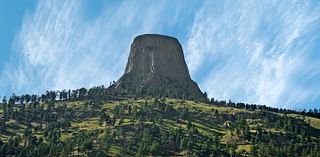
point(156, 67)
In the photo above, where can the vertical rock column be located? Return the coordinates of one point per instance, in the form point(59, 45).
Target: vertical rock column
point(156, 66)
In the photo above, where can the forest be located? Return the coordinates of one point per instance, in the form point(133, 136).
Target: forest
point(97, 122)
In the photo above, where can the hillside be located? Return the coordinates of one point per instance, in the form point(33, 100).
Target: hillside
point(152, 127)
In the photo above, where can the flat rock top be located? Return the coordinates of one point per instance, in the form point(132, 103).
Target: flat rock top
point(159, 54)
point(155, 36)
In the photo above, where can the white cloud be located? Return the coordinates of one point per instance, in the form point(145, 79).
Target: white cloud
point(58, 48)
point(252, 49)
point(248, 50)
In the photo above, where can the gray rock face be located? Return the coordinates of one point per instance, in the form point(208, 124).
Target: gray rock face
point(156, 66)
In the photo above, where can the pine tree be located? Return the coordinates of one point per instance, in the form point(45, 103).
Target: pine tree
point(254, 150)
point(154, 148)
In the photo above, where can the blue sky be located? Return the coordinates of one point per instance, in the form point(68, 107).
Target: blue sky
point(264, 52)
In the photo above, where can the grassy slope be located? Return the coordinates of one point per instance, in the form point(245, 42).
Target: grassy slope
point(203, 118)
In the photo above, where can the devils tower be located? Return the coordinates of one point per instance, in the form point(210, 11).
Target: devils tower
point(156, 66)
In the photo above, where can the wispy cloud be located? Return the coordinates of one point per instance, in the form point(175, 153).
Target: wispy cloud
point(59, 48)
point(252, 50)
point(262, 52)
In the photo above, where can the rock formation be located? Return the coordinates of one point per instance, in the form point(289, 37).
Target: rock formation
point(156, 67)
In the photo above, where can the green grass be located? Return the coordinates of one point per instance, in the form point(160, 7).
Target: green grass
point(4, 138)
point(90, 124)
point(314, 122)
point(168, 124)
point(244, 147)
point(114, 151)
point(208, 131)
point(65, 136)
point(202, 118)
point(205, 108)
point(226, 137)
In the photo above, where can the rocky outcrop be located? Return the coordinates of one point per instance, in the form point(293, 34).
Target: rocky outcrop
point(156, 66)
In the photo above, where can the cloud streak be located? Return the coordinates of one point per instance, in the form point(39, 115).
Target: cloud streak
point(252, 50)
point(59, 48)
point(263, 52)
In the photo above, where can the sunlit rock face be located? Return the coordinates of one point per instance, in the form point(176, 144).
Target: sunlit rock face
point(156, 66)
